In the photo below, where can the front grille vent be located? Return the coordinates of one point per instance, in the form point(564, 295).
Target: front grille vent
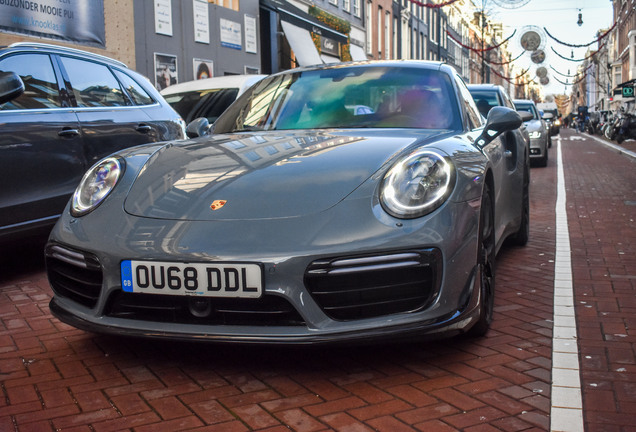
point(267, 310)
point(348, 288)
point(74, 274)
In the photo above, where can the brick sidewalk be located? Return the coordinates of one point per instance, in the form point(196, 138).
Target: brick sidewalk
point(601, 191)
point(54, 377)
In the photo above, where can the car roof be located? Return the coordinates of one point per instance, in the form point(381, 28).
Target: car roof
point(483, 86)
point(36, 46)
point(523, 101)
point(425, 64)
point(229, 81)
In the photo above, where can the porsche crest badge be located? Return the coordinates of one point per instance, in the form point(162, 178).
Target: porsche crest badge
point(217, 204)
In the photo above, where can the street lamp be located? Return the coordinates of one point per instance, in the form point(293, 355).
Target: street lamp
point(580, 21)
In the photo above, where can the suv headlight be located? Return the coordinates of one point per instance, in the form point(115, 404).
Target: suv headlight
point(417, 184)
point(95, 186)
point(535, 134)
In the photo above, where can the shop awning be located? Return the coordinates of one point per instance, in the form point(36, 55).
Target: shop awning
point(301, 43)
point(293, 15)
point(357, 53)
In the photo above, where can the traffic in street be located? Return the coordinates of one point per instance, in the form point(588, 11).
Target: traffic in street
point(560, 353)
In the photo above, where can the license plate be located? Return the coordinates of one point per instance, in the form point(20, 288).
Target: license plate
point(192, 279)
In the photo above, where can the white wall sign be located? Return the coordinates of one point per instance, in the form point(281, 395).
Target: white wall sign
point(163, 17)
point(201, 21)
point(251, 40)
point(231, 34)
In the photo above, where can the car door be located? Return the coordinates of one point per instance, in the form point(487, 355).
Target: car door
point(496, 153)
point(109, 119)
point(41, 150)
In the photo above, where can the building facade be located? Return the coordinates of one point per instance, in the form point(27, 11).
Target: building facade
point(622, 53)
point(172, 41)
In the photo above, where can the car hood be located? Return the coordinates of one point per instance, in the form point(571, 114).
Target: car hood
point(261, 176)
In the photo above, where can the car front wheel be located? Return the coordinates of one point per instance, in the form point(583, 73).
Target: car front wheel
point(486, 265)
point(520, 238)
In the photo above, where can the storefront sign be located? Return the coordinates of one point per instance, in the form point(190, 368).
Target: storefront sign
point(68, 20)
point(201, 21)
point(251, 44)
point(163, 17)
point(231, 34)
point(329, 46)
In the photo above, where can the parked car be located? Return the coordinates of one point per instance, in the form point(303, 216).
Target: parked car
point(298, 221)
point(207, 97)
point(538, 131)
point(488, 96)
point(551, 118)
point(63, 110)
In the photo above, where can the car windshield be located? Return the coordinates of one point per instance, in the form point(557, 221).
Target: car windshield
point(347, 97)
point(527, 108)
point(209, 103)
point(485, 100)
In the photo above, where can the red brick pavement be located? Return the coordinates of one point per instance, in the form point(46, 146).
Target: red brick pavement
point(54, 377)
point(601, 191)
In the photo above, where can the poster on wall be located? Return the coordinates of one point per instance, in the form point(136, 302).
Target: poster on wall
point(231, 34)
point(166, 73)
point(79, 22)
point(251, 44)
point(203, 68)
point(201, 21)
point(163, 17)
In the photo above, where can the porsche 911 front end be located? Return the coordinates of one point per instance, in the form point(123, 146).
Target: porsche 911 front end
point(290, 224)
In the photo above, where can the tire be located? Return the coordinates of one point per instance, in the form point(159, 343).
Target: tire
point(486, 266)
point(521, 237)
point(543, 162)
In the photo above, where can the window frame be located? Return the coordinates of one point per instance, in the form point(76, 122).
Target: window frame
point(64, 99)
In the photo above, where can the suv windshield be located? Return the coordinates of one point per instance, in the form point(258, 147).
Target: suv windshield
point(202, 103)
point(346, 97)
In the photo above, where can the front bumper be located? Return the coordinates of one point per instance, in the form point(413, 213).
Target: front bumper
point(439, 252)
point(538, 148)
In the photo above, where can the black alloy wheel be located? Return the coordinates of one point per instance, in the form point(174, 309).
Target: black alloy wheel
point(521, 237)
point(486, 265)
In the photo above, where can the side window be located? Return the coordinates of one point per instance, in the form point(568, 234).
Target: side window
point(40, 85)
point(507, 102)
point(93, 84)
point(136, 92)
point(469, 104)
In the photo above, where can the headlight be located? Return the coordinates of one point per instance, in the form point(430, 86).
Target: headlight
point(557, 122)
point(95, 186)
point(535, 134)
point(417, 184)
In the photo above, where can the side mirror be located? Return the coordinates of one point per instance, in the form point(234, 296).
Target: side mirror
point(198, 127)
point(11, 86)
point(525, 116)
point(500, 119)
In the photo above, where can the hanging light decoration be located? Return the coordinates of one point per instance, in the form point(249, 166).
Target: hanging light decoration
point(580, 21)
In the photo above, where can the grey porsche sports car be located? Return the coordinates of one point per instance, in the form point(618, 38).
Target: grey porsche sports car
point(300, 217)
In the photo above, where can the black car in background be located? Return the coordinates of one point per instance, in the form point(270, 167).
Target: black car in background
point(489, 95)
point(62, 110)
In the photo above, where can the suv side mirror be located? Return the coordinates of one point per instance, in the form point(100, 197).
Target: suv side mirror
point(11, 86)
point(500, 119)
point(525, 116)
point(198, 127)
